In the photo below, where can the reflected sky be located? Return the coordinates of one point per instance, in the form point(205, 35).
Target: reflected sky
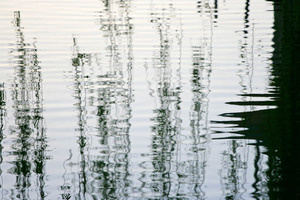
point(128, 99)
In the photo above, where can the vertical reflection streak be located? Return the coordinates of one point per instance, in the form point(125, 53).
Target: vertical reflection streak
point(22, 165)
point(164, 78)
point(40, 144)
point(103, 87)
point(2, 127)
point(30, 142)
point(200, 85)
point(80, 96)
point(114, 111)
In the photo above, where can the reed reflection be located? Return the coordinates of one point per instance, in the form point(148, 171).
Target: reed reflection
point(199, 118)
point(2, 127)
point(172, 175)
point(102, 88)
point(200, 86)
point(111, 167)
point(164, 81)
point(79, 185)
point(29, 143)
point(2, 107)
point(178, 167)
point(233, 172)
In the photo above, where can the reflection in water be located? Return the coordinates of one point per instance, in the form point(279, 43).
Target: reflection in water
point(178, 168)
point(29, 142)
point(102, 86)
point(111, 167)
point(200, 85)
point(235, 158)
point(78, 61)
point(284, 149)
point(2, 126)
point(166, 88)
point(233, 172)
point(275, 129)
point(254, 156)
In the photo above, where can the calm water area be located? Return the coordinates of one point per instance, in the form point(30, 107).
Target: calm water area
point(149, 99)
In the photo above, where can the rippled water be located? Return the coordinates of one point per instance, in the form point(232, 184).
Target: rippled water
point(146, 99)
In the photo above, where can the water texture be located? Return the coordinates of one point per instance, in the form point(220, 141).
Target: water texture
point(147, 99)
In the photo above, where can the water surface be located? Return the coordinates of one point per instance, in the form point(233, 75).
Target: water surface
point(147, 99)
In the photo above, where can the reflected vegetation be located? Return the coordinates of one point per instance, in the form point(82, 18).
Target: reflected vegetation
point(255, 147)
point(28, 139)
point(178, 168)
point(165, 86)
point(234, 170)
point(2, 127)
point(102, 88)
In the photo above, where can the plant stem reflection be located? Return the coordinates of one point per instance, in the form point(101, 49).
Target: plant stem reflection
point(29, 142)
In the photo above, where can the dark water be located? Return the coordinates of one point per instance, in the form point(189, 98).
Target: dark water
point(129, 99)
